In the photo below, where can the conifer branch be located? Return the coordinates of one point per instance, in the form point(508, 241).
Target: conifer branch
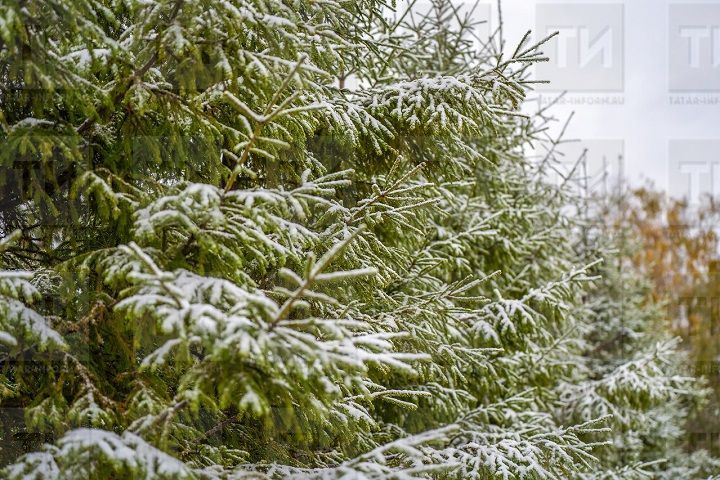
point(121, 89)
point(270, 112)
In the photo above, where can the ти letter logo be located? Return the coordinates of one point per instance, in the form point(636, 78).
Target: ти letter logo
point(694, 47)
point(587, 48)
point(587, 53)
point(694, 169)
point(695, 37)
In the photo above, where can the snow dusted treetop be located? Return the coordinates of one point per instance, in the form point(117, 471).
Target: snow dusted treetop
point(219, 263)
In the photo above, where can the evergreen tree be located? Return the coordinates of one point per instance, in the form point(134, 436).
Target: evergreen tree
point(220, 263)
point(633, 368)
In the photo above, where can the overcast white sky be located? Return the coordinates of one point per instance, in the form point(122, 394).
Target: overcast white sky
point(631, 68)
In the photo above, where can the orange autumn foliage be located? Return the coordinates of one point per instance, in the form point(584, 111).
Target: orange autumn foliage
point(677, 244)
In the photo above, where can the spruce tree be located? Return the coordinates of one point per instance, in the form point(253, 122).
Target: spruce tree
point(631, 367)
point(218, 262)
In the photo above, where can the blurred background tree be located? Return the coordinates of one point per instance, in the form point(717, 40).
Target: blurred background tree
point(675, 244)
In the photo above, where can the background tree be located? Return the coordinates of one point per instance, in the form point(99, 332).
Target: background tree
point(676, 249)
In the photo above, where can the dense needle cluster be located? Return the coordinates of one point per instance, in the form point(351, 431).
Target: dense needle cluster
point(220, 263)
